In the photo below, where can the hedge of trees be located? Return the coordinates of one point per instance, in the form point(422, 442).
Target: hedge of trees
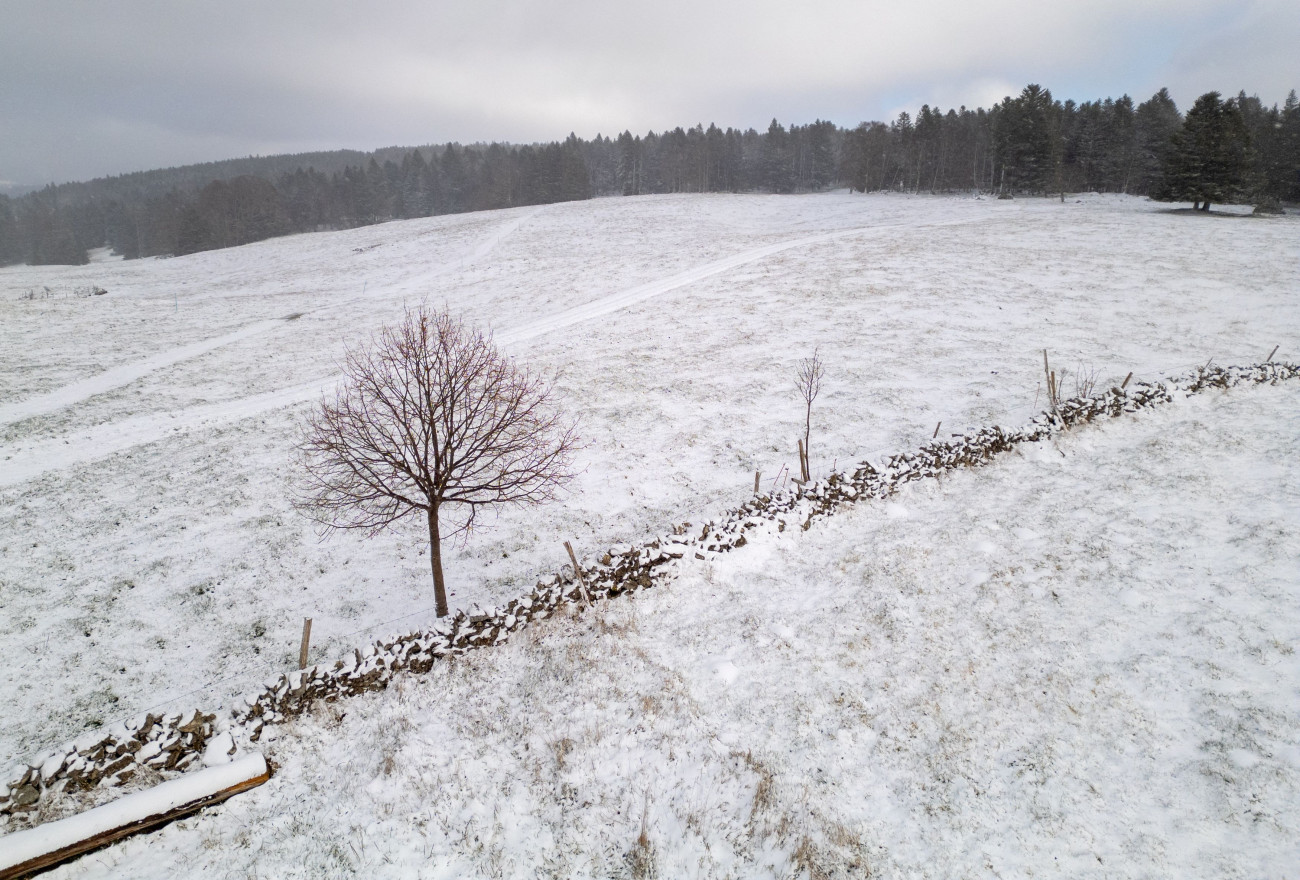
point(1233, 150)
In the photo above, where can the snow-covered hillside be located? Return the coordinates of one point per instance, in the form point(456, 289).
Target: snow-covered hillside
point(1078, 662)
point(149, 554)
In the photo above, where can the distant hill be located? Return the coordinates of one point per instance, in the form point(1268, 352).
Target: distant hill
point(1030, 144)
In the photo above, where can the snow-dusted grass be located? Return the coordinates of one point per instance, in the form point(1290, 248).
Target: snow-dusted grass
point(148, 547)
point(1079, 661)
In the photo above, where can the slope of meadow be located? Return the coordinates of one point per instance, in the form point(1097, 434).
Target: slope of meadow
point(1079, 661)
point(149, 554)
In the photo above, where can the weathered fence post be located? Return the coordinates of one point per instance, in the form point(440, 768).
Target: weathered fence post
point(306, 642)
point(577, 571)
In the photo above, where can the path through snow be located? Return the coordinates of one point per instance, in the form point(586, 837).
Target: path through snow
point(28, 462)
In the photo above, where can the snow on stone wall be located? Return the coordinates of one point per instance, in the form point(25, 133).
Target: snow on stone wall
point(171, 743)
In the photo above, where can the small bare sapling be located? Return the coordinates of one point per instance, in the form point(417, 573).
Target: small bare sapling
point(1085, 381)
point(808, 382)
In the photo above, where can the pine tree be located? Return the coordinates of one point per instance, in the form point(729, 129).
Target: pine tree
point(1210, 156)
point(1156, 121)
point(1289, 184)
point(454, 180)
point(777, 171)
point(1029, 143)
point(631, 167)
point(11, 249)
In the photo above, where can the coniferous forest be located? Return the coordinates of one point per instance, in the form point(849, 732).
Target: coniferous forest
point(1232, 150)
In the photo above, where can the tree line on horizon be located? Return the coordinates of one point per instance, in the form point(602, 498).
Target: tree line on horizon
point(1221, 151)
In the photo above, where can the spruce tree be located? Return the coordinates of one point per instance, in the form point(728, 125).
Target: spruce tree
point(1290, 146)
point(1209, 159)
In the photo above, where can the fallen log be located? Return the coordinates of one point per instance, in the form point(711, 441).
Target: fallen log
point(37, 849)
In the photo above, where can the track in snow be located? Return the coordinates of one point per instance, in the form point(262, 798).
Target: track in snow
point(118, 377)
point(30, 462)
point(614, 302)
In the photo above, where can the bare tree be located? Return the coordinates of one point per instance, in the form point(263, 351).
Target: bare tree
point(808, 382)
point(431, 415)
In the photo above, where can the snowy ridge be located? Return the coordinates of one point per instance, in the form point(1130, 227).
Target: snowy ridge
point(622, 569)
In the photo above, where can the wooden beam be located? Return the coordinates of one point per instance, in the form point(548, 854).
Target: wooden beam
point(37, 849)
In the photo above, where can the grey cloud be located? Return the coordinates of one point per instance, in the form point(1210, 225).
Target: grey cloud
point(96, 88)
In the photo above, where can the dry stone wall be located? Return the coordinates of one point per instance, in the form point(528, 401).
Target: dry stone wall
point(169, 744)
point(175, 743)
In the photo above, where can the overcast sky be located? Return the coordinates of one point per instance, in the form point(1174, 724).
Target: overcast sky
point(92, 88)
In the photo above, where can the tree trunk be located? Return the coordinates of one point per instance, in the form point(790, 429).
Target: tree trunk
point(807, 444)
point(1205, 206)
point(435, 561)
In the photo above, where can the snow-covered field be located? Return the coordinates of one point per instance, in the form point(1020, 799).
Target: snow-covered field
point(1078, 662)
point(908, 688)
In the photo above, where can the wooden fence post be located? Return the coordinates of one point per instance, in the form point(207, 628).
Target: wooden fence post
point(1269, 359)
point(757, 477)
point(306, 641)
point(577, 571)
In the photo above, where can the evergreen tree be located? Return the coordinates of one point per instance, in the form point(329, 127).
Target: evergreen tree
point(454, 180)
point(51, 238)
point(822, 164)
point(854, 159)
point(631, 164)
point(499, 187)
point(1156, 121)
point(192, 234)
point(899, 161)
point(1274, 147)
point(575, 181)
point(777, 170)
point(1029, 142)
point(11, 249)
point(1121, 145)
point(1289, 176)
point(1209, 160)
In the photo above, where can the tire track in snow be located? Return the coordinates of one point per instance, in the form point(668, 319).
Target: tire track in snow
point(60, 453)
point(117, 377)
point(486, 245)
point(29, 462)
point(618, 301)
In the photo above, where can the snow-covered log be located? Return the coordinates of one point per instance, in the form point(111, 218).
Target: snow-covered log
point(47, 845)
